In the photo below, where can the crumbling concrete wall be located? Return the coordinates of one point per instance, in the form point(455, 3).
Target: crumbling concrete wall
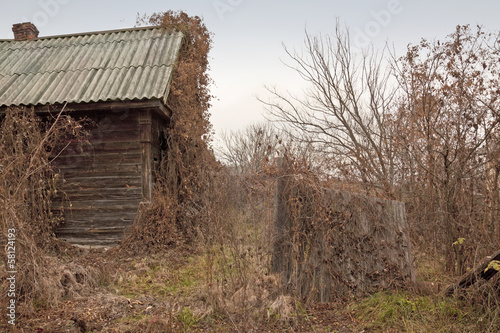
point(331, 243)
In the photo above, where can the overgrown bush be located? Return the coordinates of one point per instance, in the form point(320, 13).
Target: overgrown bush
point(27, 186)
point(178, 211)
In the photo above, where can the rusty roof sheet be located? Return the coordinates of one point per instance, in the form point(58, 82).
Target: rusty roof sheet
point(119, 65)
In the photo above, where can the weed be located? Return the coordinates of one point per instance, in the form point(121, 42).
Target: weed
point(187, 319)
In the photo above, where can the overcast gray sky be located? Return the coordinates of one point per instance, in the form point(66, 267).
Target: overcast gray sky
point(248, 34)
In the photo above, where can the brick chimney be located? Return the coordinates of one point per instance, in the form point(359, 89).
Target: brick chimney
point(25, 31)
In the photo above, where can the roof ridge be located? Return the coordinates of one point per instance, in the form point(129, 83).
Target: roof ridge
point(97, 32)
point(85, 70)
point(33, 46)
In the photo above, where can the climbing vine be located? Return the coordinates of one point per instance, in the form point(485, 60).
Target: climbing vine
point(177, 207)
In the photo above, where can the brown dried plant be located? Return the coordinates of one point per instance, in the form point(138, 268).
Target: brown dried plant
point(178, 211)
point(27, 186)
point(446, 134)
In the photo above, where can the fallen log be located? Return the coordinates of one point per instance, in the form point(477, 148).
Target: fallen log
point(485, 271)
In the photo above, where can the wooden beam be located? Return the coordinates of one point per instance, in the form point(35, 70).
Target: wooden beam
point(145, 123)
point(482, 271)
point(155, 105)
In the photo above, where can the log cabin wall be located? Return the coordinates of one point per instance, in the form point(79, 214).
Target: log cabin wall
point(102, 179)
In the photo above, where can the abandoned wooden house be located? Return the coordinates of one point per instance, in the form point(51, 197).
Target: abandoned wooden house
point(120, 80)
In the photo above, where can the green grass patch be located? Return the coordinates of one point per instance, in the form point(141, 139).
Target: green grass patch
point(160, 278)
point(187, 319)
point(405, 312)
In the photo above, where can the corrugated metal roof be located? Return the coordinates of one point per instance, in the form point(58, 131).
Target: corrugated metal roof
point(131, 64)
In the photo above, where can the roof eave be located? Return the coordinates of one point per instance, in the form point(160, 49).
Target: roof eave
point(155, 104)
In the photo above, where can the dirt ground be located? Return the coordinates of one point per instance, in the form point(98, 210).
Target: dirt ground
point(187, 290)
point(158, 293)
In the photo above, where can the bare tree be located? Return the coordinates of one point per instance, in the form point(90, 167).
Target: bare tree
point(248, 150)
point(343, 112)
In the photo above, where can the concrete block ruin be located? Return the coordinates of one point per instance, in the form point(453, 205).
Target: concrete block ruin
point(330, 243)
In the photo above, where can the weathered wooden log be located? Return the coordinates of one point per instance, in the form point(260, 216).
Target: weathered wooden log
point(483, 271)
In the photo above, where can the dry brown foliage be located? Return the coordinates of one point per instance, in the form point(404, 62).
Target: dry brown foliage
point(27, 186)
point(334, 244)
point(422, 129)
point(446, 134)
point(178, 211)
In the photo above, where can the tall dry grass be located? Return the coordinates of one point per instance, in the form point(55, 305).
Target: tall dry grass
point(28, 185)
